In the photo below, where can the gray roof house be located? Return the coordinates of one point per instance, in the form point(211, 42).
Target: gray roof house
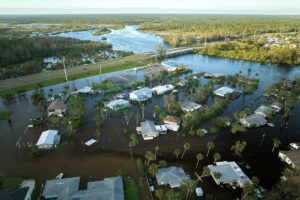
point(230, 173)
point(173, 176)
point(189, 106)
point(61, 188)
point(147, 130)
point(264, 111)
point(140, 95)
point(253, 121)
point(57, 108)
point(277, 106)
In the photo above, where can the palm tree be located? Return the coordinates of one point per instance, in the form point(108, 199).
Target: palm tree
point(186, 147)
point(188, 187)
point(143, 110)
point(156, 150)
point(217, 157)
point(210, 145)
point(155, 110)
point(162, 163)
point(276, 144)
point(176, 152)
point(153, 169)
point(239, 147)
point(205, 172)
point(150, 157)
point(170, 194)
point(160, 194)
point(132, 143)
point(199, 158)
point(137, 117)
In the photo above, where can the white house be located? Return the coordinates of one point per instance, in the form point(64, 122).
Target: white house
point(57, 108)
point(253, 121)
point(173, 176)
point(84, 90)
point(170, 66)
point(117, 104)
point(277, 106)
point(161, 89)
point(230, 173)
point(264, 111)
point(142, 94)
point(48, 139)
point(223, 91)
point(172, 123)
point(148, 130)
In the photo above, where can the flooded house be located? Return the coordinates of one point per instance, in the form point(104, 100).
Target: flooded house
point(117, 104)
point(68, 188)
point(189, 106)
point(224, 91)
point(48, 139)
point(264, 111)
point(147, 130)
point(172, 123)
point(253, 121)
point(57, 108)
point(277, 106)
point(140, 95)
point(229, 173)
point(172, 176)
point(84, 90)
point(22, 192)
point(161, 89)
point(170, 66)
point(291, 157)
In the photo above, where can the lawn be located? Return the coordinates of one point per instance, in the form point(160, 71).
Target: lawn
point(5, 114)
point(132, 190)
point(6, 183)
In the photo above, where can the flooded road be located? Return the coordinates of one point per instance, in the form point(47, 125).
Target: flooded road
point(111, 152)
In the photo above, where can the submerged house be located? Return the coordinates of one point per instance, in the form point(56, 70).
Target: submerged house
point(264, 111)
point(117, 104)
point(161, 89)
point(277, 106)
point(173, 176)
point(48, 139)
point(172, 122)
point(253, 121)
point(140, 95)
point(224, 91)
point(291, 157)
point(170, 66)
point(57, 108)
point(148, 130)
point(228, 173)
point(188, 106)
point(68, 188)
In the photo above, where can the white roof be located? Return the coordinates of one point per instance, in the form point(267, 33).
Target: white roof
point(160, 89)
point(117, 103)
point(90, 142)
point(199, 191)
point(47, 137)
point(223, 91)
point(172, 176)
point(142, 91)
point(84, 90)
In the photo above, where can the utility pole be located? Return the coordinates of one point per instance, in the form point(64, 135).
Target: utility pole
point(66, 75)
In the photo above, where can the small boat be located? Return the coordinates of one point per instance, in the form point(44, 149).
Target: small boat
point(271, 124)
point(59, 176)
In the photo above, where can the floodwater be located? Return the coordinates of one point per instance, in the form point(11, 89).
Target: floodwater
point(127, 39)
point(111, 152)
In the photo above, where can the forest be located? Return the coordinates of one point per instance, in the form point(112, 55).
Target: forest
point(23, 56)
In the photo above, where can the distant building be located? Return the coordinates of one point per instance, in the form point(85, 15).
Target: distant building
point(264, 111)
point(57, 108)
point(277, 106)
point(173, 176)
point(228, 173)
point(147, 130)
point(140, 95)
point(172, 122)
point(188, 106)
point(170, 66)
point(291, 157)
point(223, 91)
point(213, 75)
point(161, 89)
point(68, 188)
point(117, 104)
point(253, 121)
point(48, 139)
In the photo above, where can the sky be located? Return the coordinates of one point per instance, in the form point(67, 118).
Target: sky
point(273, 7)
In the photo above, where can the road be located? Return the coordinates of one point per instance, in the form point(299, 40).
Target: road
point(34, 79)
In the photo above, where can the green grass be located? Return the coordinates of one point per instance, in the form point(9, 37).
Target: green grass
point(132, 190)
point(5, 114)
point(10, 182)
point(82, 74)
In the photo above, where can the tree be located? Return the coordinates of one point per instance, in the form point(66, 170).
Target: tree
point(155, 110)
point(149, 156)
point(156, 150)
point(177, 152)
point(188, 187)
point(127, 116)
point(76, 113)
point(160, 194)
point(132, 143)
point(199, 158)
point(153, 169)
point(186, 147)
point(276, 144)
point(217, 157)
point(210, 145)
point(160, 51)
point(236, 127)
point(239, 147)
point(205, 171)
point(143, 110)
point(162, 163)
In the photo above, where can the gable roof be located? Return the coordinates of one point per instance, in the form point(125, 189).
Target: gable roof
point(189, 105)
point(173, 176)
point(47, 137)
